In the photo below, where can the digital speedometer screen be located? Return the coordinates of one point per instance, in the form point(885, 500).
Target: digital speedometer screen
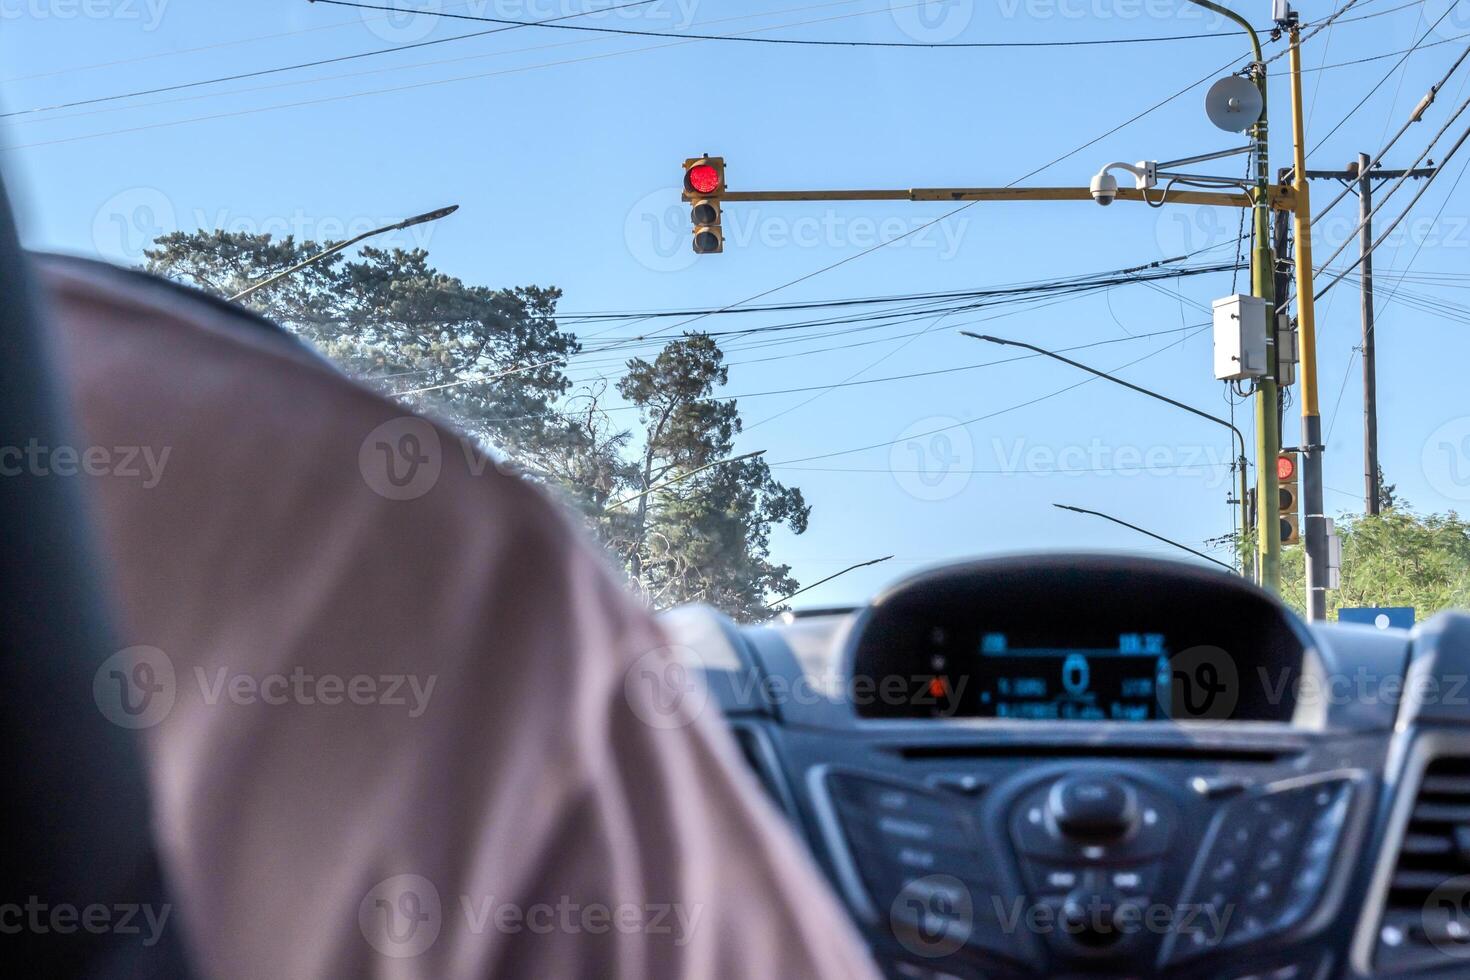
point(1114, 682)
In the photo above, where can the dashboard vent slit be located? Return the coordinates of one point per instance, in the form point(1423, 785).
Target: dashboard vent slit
point(1435, 853)
point(1214, 753)
point(1446, 785)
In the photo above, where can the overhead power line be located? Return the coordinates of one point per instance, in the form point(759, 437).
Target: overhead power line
point(240, 76)
point(1141, 273)
point(809, 42)
point(411, 86)
point(1387, 75)
point(1403, 214)
point(975, 299)
point(556, 22)
point(1414, 117)
point(1393, 187)
point(1319, 27)
point(988, 415)
point(435, 82)
point(969, 204)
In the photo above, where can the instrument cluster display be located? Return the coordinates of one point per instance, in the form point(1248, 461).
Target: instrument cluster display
point(1101, 639)
point(1126, 680)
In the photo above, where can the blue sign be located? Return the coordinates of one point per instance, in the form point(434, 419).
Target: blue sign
point(1384, 617)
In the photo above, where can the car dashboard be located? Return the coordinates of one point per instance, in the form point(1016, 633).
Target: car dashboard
point(1100, 766)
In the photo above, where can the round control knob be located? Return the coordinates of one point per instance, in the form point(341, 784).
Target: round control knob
point(1095, 919)
point(1093, 809)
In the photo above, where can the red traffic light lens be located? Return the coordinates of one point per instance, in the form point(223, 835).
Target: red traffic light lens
point(703, 178)
point(1285, 468)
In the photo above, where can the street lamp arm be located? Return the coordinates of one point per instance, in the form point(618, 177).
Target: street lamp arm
point(1240, 438)
point(417, 219)
point(1140, 530)
point(849, 568)
point(1232, 15)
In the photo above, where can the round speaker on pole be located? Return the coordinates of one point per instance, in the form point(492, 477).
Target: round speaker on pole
point(1234, 104)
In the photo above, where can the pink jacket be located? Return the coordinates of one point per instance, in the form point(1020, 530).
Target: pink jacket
point(399, 719)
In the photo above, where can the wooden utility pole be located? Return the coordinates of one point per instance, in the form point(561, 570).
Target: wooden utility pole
point(1364, 174)
point(1370, 367)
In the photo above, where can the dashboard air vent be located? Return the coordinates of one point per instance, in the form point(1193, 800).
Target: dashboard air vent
point(1425, 915)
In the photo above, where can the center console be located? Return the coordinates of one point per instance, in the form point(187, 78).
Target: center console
point(1087, 766)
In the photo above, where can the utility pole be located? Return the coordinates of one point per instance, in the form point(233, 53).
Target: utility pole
point(1263, 285)
point(1281, 237)
point(1314, 521)
point(1369, 356)
point(1363, 174)
point(1370, 359)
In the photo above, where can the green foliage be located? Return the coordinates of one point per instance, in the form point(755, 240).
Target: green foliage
point(391, 319)
point(705, 534)
point(1397, 558)
point(494, 361)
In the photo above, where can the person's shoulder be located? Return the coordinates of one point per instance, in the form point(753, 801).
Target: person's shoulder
point(255, 415)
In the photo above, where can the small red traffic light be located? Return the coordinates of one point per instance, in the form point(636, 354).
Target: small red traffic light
point(1285, 468)
point(704, 178)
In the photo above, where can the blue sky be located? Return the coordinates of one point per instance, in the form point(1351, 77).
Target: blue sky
point(563, 150)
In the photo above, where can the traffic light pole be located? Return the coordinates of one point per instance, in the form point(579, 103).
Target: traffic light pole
point(1262, 198)
point(1314, 520)
point(1278, 196)
point(1263, 272)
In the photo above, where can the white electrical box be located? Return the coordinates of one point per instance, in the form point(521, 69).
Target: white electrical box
point(1240, 336)
point(1287, 349)
point(1334, 555)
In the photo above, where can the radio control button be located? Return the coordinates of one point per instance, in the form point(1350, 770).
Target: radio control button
point(1141, 880)
point(1094, 809)
point(963, 783)
point(1270, 857)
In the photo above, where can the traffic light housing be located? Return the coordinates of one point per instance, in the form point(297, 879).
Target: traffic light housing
point(1286, 482)
point(704, 184)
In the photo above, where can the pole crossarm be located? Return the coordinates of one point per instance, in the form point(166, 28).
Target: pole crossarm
point(1353, 175)
point(1283, 197)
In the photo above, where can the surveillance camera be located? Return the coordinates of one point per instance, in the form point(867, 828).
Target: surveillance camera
point(1104, 188)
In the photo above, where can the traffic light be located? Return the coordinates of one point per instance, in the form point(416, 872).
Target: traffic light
point(1286, 476)
point(704, 183)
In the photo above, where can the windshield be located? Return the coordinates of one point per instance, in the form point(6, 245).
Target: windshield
point(786, 300)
